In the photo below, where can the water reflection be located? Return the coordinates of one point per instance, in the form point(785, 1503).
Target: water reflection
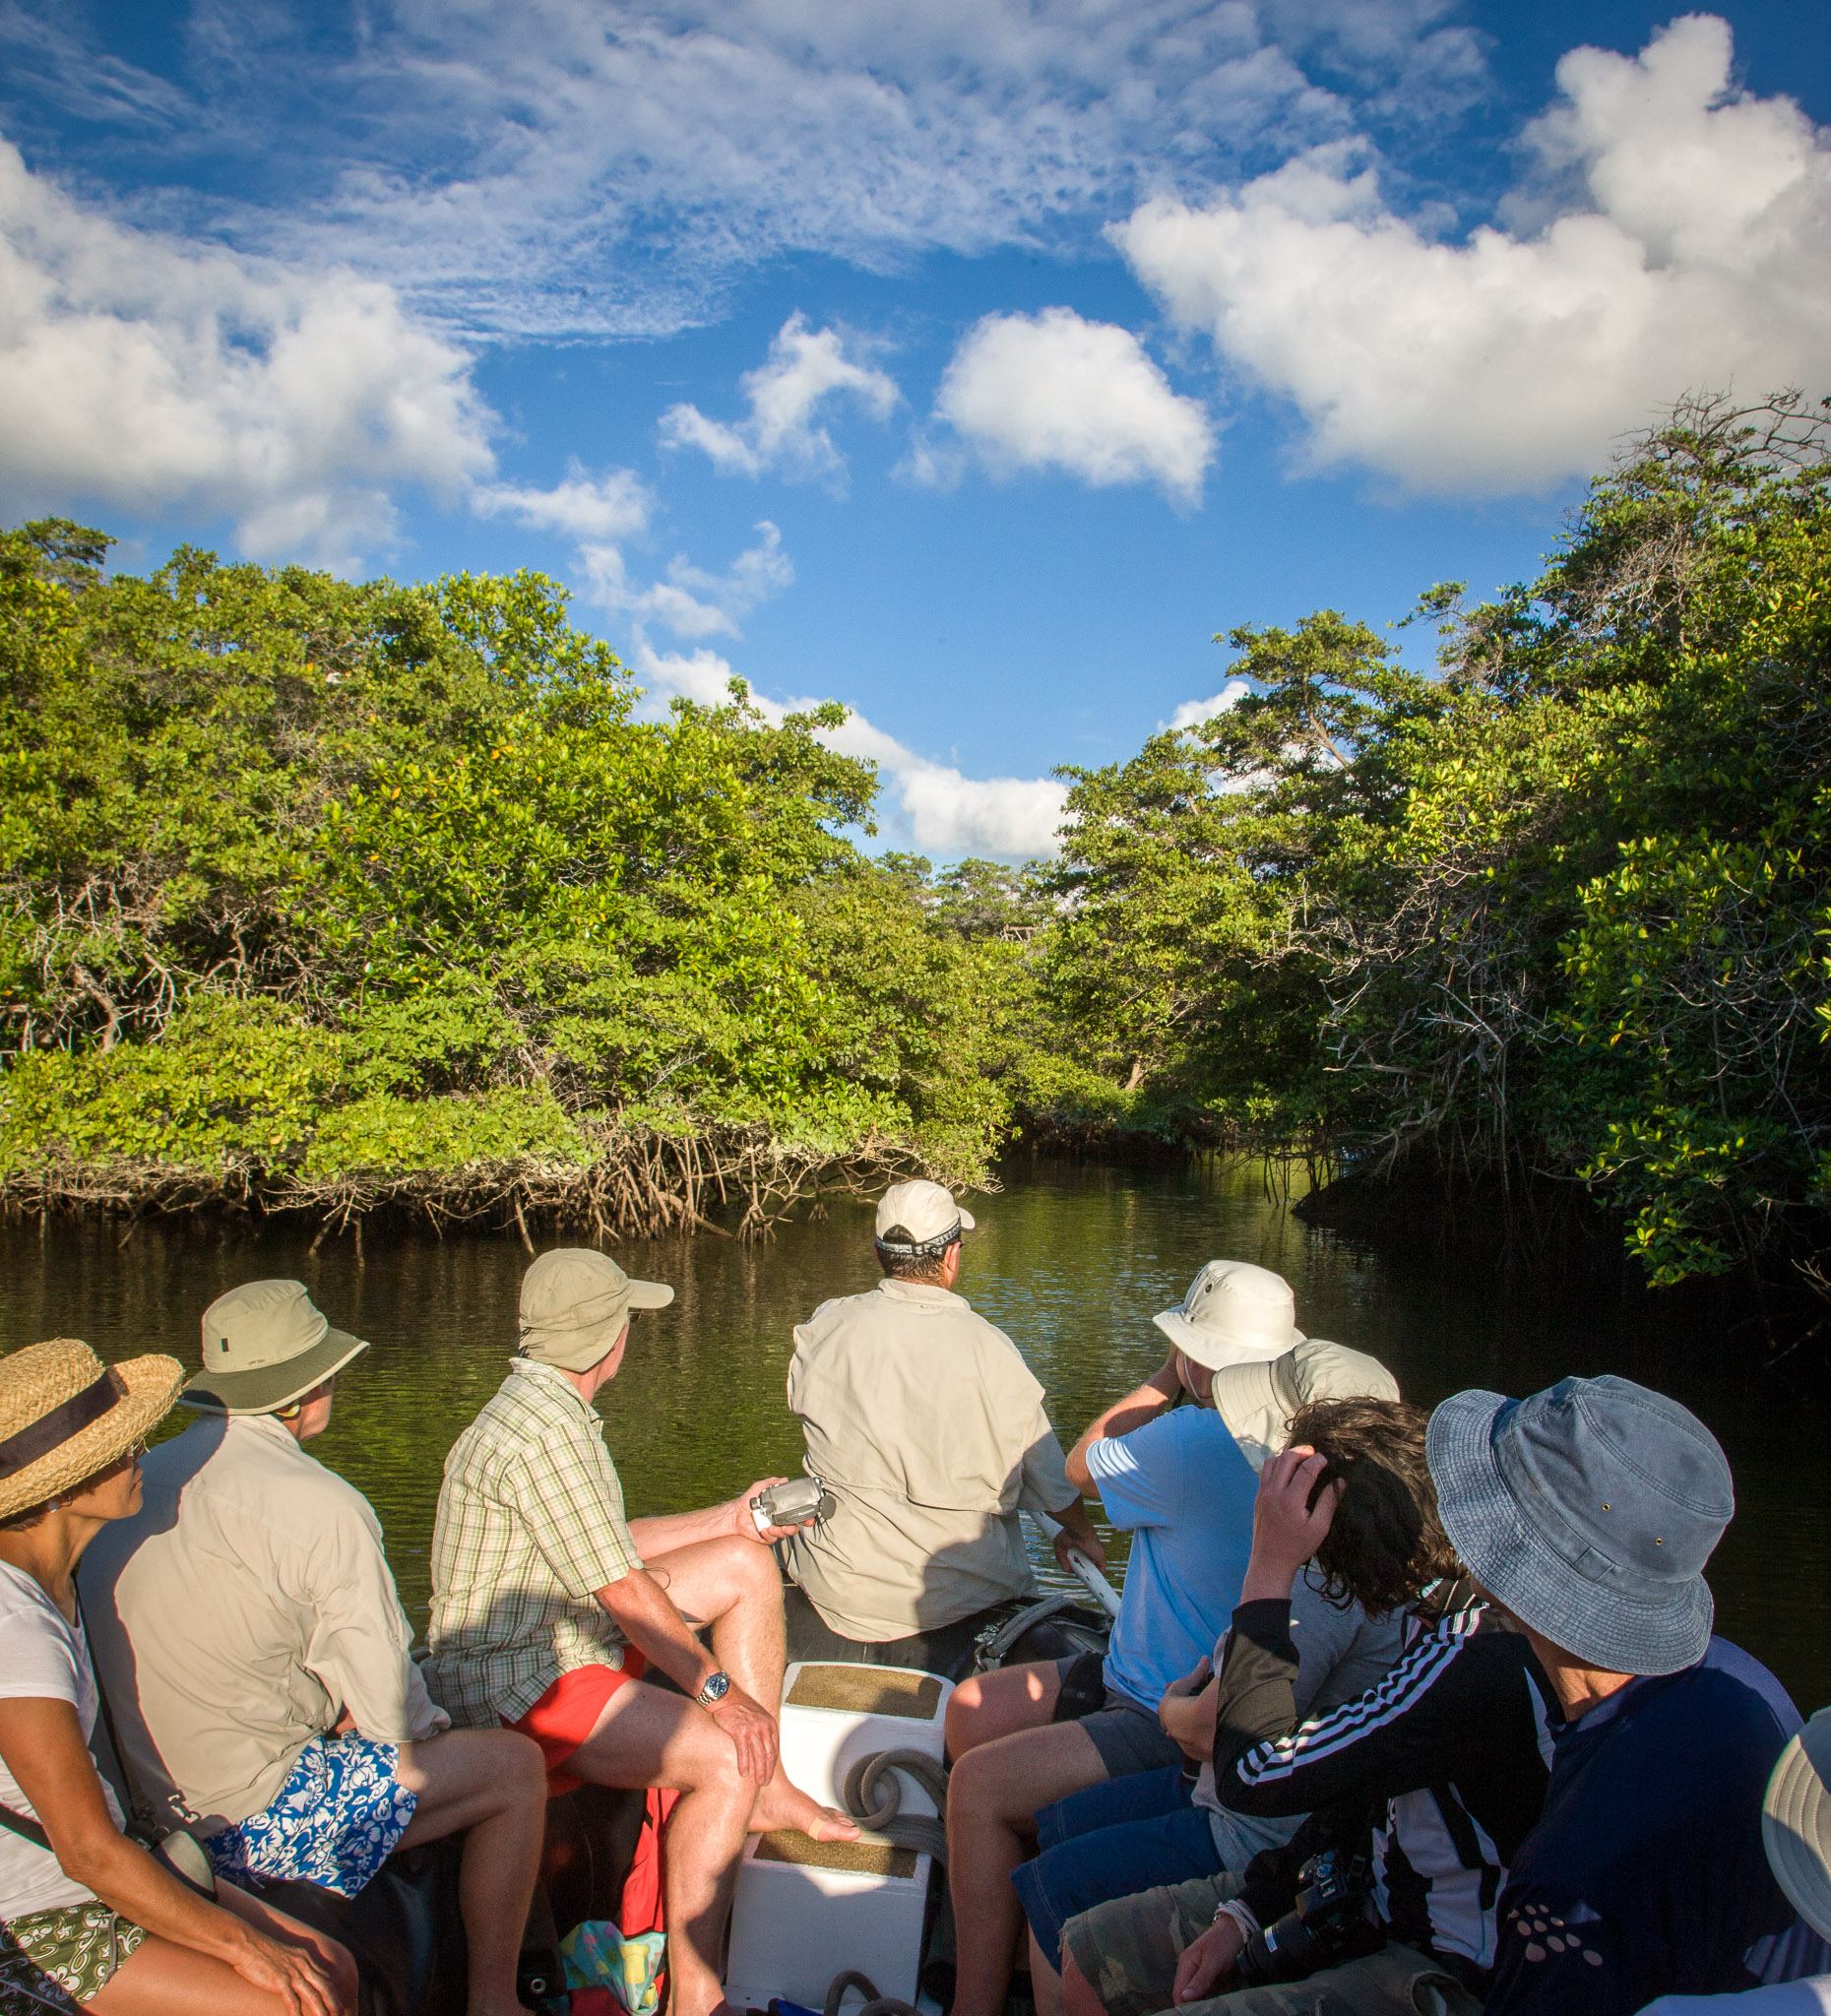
point(1072, 1262)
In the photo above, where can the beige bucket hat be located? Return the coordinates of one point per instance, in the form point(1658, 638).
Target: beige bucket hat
point(64, 1416)
point(1796, 1823)
point(925, 1210)
point(266, 1345)
point(1257, 1402)
point(575, 1303)
point(1233, 1314)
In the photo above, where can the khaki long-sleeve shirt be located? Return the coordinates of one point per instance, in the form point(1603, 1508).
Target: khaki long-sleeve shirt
point(239, 1614)
point(929, 1427)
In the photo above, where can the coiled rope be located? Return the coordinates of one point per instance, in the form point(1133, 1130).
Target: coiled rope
point(874, 1799)
point(874, 2003)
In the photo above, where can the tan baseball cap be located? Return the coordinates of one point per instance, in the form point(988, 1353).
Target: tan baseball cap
point(1257, 1401)
point(575, 1303)
point(266, 1343)
point(1233, 1314)
point(925, 1210)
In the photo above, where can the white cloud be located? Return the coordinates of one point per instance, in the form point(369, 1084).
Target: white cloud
point(1674, 235)
point(806, 368)
point(144, 376)
point(1192, 712)
point(601, 166)
point(690, 602)
point(922, 803)
point(1052, 390)
point(614, 506)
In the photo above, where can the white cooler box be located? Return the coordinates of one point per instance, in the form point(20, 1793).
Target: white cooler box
point(806, 1910)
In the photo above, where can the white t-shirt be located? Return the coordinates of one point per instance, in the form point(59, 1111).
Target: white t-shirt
point(43, 1658)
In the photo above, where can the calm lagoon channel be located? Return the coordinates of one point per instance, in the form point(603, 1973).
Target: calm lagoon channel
point(1071, 1261)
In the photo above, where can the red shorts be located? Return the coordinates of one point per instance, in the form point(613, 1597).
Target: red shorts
point(567, 1712)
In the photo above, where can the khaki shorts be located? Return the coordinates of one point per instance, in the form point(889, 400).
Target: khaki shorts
point(1126, 1951)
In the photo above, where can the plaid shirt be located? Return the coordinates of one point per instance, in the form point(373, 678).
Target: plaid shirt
point(531, 1524)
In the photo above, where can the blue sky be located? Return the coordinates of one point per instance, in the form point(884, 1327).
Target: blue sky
point(968, 361)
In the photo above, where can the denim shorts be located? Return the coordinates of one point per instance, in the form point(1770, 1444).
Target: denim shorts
point(1130, 1834)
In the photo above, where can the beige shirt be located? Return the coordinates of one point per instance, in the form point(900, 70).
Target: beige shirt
point(238, 1615)
point(928, 1428)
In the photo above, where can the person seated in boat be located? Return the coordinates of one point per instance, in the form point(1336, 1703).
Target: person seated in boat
point(548, 1606)
point(930, 1429)
point(1346, 1615)
point(1032, 1735)
point(1585, 1514)
point(88, 1917)
point(258, 1662)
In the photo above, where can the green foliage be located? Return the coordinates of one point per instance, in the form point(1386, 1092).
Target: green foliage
point(326, 878)
point(1559, 906)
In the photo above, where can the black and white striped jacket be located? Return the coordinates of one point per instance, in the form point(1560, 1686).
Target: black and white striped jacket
point(1446, 1761)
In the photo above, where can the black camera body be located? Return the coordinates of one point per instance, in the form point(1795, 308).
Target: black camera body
point(1333, 1920)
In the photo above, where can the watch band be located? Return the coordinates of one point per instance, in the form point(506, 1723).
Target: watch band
point(714, 1690)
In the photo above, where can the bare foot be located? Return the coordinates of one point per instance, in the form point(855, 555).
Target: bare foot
point(782, 1804)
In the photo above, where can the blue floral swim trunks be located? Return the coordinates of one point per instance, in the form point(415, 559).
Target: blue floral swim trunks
point(338, 1816)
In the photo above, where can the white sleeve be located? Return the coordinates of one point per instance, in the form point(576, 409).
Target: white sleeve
point(37, 1659)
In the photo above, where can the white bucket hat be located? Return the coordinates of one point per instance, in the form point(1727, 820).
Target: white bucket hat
point(1233, 1314)
point(1257, 1402)
point(1796, 1823)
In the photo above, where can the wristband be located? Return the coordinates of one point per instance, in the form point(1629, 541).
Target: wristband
point(1239, 1914)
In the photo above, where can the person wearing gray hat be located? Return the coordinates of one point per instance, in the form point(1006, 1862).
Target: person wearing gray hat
point(257, 1660)
point(930, 1431)
point(1589, 1511)
point(548, 1606)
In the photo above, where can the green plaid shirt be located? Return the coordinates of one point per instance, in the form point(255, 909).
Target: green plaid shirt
point(531, 1523)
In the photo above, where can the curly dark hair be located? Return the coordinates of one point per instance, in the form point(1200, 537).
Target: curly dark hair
point(1387, 1543)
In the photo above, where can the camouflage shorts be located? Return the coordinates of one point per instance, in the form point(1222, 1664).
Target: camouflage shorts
point(1127, 1951)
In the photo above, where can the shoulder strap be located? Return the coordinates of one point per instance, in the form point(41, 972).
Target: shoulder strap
point(123, 1768)
point(26, 1830)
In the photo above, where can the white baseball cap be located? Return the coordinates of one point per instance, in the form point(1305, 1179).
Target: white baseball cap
point(925, 1210)
point(1233, 1314)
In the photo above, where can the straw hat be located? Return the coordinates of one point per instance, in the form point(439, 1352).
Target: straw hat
point(64, 1416)
point(1796, 1823)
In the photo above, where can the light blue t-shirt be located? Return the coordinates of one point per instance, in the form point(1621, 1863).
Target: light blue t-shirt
point(1181, 1487)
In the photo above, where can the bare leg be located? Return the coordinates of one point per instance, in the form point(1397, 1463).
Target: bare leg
point(992, 1800)
point(1045, 1985)
point(997, 1704)
point(1078, 1998)
point(162, 1979)
point(490, 1785)
point(733, 1586)
point(646, 1737)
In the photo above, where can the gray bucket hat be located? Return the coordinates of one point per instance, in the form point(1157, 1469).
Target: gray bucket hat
point(1257, 1401)
point(265, 1346)
point(1589, 1511)
point(1233, 1314)
point(1796, 1823)
point(575, 1303)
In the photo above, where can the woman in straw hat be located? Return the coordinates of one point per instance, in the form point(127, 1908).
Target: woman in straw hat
point(90, 1917)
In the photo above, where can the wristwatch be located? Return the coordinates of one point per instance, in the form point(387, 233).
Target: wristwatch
point(716, 1686)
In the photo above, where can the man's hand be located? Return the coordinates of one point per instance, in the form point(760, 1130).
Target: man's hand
point(752, 1731)
point(1208, 1960)
point(1290, 1520)
point(1190, 1683)
point(744, 1523)
point(1087, 1545)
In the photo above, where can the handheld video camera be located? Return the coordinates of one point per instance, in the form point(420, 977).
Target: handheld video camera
point(801, 1500)
point(1333, 1920)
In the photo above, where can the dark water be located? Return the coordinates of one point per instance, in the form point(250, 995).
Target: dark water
point(1071, 1262)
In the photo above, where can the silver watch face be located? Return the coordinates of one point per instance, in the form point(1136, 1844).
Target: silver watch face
point(716, 1686)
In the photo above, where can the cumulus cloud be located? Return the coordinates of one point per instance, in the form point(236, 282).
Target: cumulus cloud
point(925, 805)
point(1192, 712)
point(138, 374)
point(689, 600)
point(1674, 235)
point(806, 369)
point(1053, 390)
point(614, 506)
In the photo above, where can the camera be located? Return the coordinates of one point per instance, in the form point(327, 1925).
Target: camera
point(800, 1499)
point(1333, 1920)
